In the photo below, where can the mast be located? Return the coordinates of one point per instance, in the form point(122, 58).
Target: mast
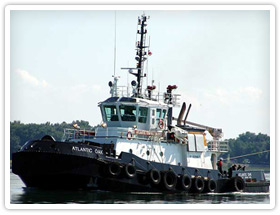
point(141, 52)
point(140, 56)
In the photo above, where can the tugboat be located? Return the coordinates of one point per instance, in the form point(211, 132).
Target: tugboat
point(137, 147)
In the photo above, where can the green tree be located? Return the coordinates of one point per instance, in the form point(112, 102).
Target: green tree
point(248, 143)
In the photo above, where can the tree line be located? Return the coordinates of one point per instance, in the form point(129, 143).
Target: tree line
point(20, 133)
point(245, 143)
point(249, 143)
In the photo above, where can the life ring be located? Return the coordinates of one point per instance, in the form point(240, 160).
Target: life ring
point(236, 184)
point(169, 180)
point(197, 184)
point(210, 186)
point(129, 135)
point(185, 182)
point(114, 169)
point(160, 124)
point(130, 170)
point(154, 176)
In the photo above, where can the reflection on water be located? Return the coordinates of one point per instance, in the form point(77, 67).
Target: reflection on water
point(22, 195)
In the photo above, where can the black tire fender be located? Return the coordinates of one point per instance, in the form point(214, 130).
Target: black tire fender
point(210, 185)
point(238, 184)
point(185, 182)
point(114, 169)
point(130, 170)
point(198, 184)
point(154, 176)
point(169, 180)
point(48, 138)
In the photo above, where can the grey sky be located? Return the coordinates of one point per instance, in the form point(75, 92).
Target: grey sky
point(61, 62)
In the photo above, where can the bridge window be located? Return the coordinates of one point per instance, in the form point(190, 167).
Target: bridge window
point(128, 113)
point(163, 113)
point(158, 115)
point(111, 113)
point(143, 113)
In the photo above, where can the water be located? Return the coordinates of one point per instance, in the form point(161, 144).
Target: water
point(23, 195)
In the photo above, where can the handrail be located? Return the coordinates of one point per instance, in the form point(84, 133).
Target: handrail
point(160, 96)
point(213, 146)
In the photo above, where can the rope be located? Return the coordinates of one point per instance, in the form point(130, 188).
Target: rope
point(248, 154)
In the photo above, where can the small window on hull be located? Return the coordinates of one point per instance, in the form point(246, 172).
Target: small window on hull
point(128, 113)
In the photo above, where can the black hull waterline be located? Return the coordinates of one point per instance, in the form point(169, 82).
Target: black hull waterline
point(67, 165)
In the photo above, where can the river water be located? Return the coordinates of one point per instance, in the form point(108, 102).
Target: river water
point(23, 195)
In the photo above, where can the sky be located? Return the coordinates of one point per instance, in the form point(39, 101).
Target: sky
point(62, 61)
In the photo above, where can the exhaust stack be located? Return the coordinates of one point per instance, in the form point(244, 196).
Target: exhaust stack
point(181, 114)
point(187, 114)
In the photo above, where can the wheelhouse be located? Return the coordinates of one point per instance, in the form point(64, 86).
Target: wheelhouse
point(133, 112)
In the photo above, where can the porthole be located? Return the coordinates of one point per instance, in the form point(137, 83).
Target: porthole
point(161, 154)
point(148, 152)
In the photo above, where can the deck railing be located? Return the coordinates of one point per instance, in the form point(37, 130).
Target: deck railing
point(77, 134)
point(214, 146)
point(172, 98)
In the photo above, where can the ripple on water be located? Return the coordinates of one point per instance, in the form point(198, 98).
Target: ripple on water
point(22, 195)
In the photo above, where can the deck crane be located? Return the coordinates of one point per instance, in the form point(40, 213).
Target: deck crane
point(216, 133)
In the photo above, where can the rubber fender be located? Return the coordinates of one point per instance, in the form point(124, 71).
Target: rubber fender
point(114, 169)
point(47, 138)
point(198, 184)
point(154, 176)
point(185, 182)
point(210, 186)
point(169, 180)
point(237, 184)
point(130, 170)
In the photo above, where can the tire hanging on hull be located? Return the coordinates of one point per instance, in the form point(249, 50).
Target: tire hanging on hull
point(113, 169)
point(197, 185)
point(184, 183)
point(129, 170)
point(210, 186)
point(235, 184)
point(169, 180)
point(154, 176)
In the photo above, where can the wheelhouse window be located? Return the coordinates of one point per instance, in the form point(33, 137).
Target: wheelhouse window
point(111, 113)
point(158, 116)
point(158, 113)
point(143, 113)
point(128, 113)
point(163, 113)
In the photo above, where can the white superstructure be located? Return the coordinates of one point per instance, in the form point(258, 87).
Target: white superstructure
point(140, 121)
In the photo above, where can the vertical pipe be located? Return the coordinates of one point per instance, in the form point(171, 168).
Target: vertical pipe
point(181, 114)
point(169, 117)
